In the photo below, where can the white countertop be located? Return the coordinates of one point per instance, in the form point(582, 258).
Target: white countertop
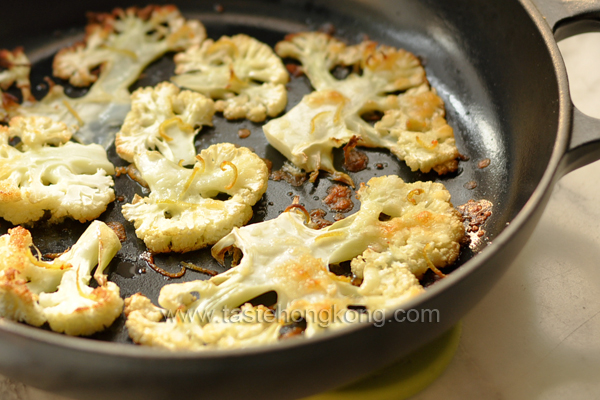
point(536, 335)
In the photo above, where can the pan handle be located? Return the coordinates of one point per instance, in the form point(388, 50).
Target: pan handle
point(584, 147)
point(568, 18)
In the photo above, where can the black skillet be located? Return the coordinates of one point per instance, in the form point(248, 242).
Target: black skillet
point(496, 65)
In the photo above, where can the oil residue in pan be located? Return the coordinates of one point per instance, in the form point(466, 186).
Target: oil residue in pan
point(131, 272)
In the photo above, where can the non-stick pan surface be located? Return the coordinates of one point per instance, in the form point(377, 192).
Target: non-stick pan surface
point(498, 78)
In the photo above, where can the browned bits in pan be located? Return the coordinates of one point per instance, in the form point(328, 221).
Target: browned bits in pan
point(199, 268)
point(475, 214)
point(119, 230)
point(354, 160)
point(317, 219)
point(484, 163)
point(294, 70)
point(219, 8)
point(446, 168)
point(244, 133)
point(293, 178)
point(269, 164)
point(470, 185)
point(338, 198)
point(338, 217)
point(133, 173)
point(149, 258)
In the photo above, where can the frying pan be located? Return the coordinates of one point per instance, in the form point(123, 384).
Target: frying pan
point(498, 69)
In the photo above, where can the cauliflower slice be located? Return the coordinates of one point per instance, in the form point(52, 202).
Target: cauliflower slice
point(57, 292)
point(47, 173)
point(387, 255)
point(23, 278)
point(164, 118)
point(123, 43)
point(182, 212)
point(414, 128)
point(416, 131)
point(229, 70)
point(17, 71)
point(75, 308)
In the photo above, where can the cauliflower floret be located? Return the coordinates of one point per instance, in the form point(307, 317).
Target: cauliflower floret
point(414, 128)
point(229, 70)
point(47, 173)
point(284, 255)
point(57, 292)
point(182, 212)
point(164, 118)
point(123, 43)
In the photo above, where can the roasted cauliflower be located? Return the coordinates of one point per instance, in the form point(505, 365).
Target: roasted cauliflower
point(183, 211)
point(243, 73)
point(401, 230)
point(58, 292)
point(122, 43)
point(17, 68)
point(413, 127)
point(46, 173)
point(164, 118)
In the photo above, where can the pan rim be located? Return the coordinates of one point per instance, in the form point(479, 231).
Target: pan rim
point(524, 215)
